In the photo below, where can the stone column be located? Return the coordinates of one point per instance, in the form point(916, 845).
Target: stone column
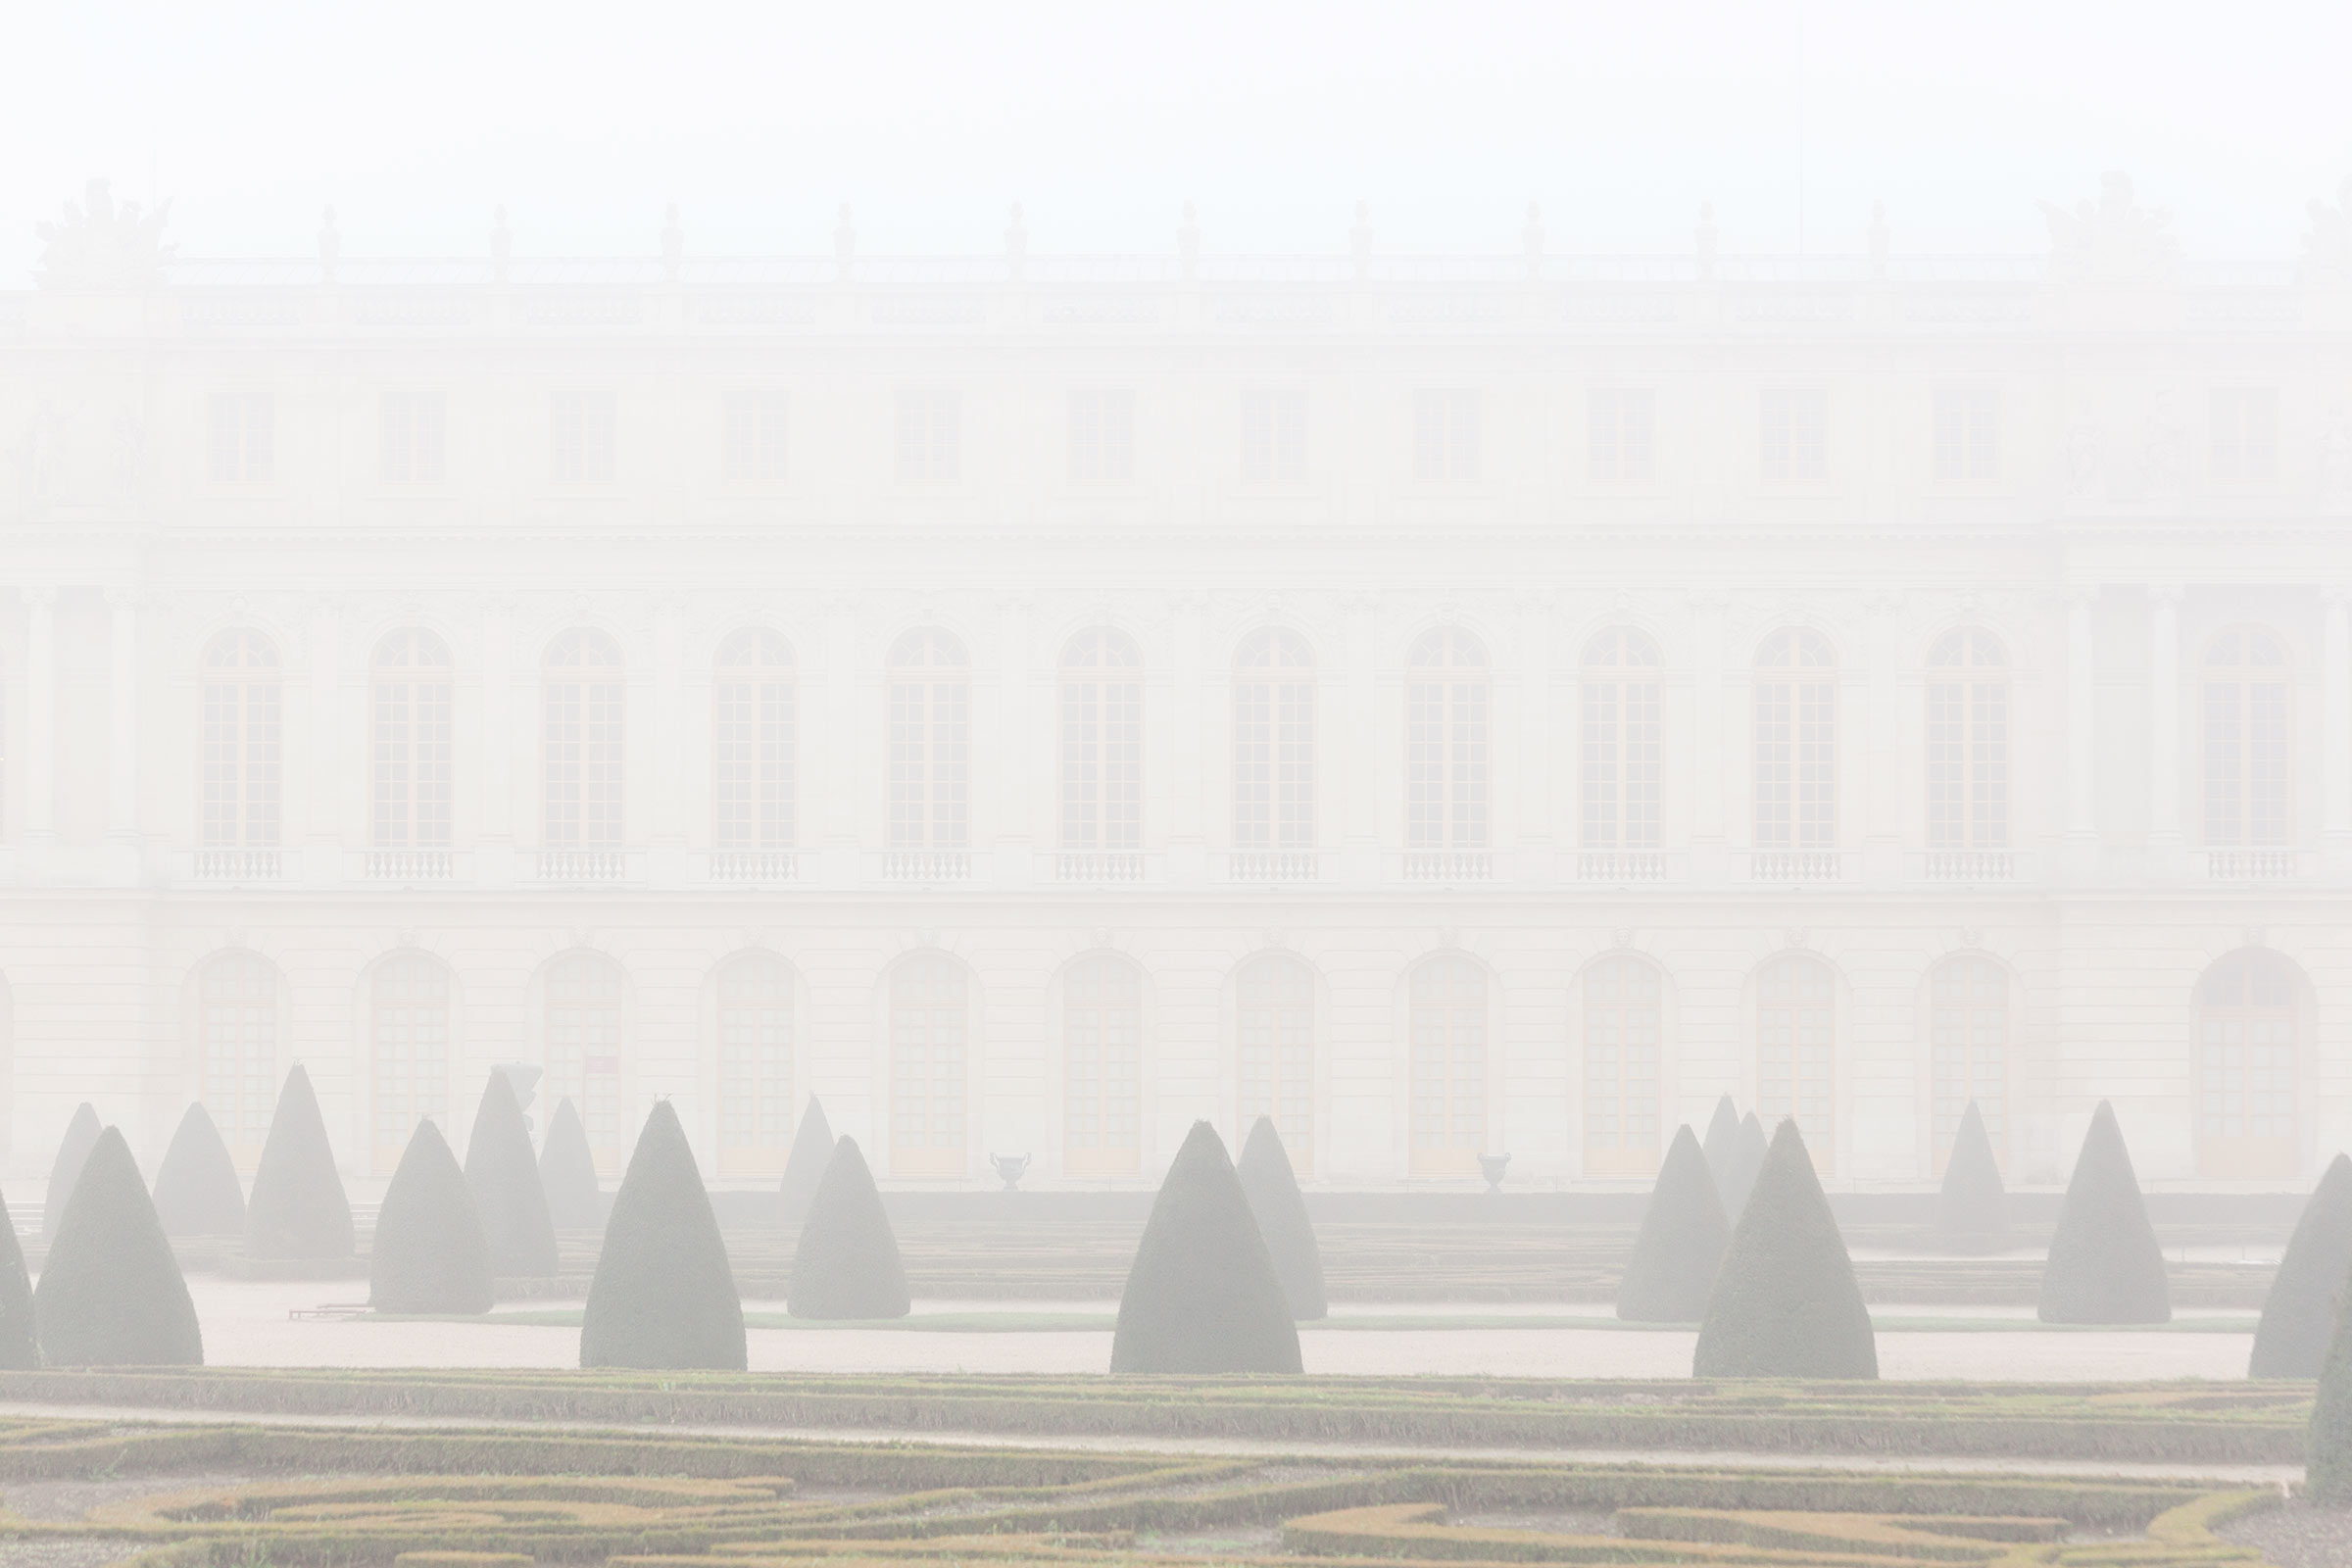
point(2164, 730)
point(2082, 732)
point(2335, 732)
point(123, 714)
point(40, 714)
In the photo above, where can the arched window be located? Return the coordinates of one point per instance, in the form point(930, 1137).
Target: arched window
point(410, 1012)
point(1276, 1036)
point(2248, 742)
point(1102, 746)
point(1273, 746)
point(1969, 1034)
point(1797, 743)
point(1620, 770)
point(928, 1014)
point(2246, 1049)
point(1446, 744)
point(1101, 1086)
point(1796, 1039)
point(754, 741)
point(1622, 1030)
point(242, 738)
point(413, 742)
point(755, 1064)
point(930, 741)
point(584, 1038)
point(1448, 1033)
point(584, 756)
point(237, 1019)
point(1968, 744)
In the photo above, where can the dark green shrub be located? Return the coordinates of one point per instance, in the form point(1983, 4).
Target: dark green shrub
point(1722, 1142)
point(1748, 1161)
point(1672, 1269)
point(431, 1254)
point(1276, 1203)
point(1972, 1209)
point(1786, 1304)
point(568, 1174)
point(110, 1292)
point(847, 1263)
point(664, 1295)
point(805, 1166)
point(298, 1209)
point(2298, 1317)
point(2328, 1455)
point(1201, 1294)
point(196, 1189)
point(2104, 1264)
point(82, 1135)
point(504, 1179)
point(20, 1338)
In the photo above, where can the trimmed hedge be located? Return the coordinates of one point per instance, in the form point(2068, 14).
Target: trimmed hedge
point(662, 1295)
point(2298, 1319)
point(1671, 1272)
point(1283, 1223)
point(2328, 1453)
point(1785, 1302)
point(1972, 1207)
point(576, 1202)
point(2104, 1265)
point(1747, 1162)
point(505, 1180)
point(298, 1209)
point(431, 1254)
point(19, 1332)
point(1722, 1142)
point(110, 1292)
point(847, 1263)
point(1203, 1295)
point(805, 1168)
point(196, 1189)
point(82, 1135)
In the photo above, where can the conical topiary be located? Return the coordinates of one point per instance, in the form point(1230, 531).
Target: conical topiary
point(298, 1209)
point(2327, 1450)
point(2298, 1316)
point(2104, 1265)
point(1680, 1245)
point(805, 1166)
point(664, 1295)
point(568, 1174)
point(847, 1263)
point(196, 1189)
point(1748, 1161)
point(1280, 1209)
point(431, 1254)
point(1971, 1210)
point(20, 1337)
point(1786, 1304)
point(1201, 1294)
point(504, 1178)
point(110, 1292)
point(1722, 1142)
point(82, 1135)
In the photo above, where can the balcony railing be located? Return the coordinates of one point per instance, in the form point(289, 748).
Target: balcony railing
point(1621, 866)
point(408, 865)
point(1093, 865)
point(2254, 865)
point(1272, 865)
point(754, 866)
point(1449, 866)
point(1798, 867)
point(927, 865)
point(1972, 866)
point(581, 865)
point(240, 865)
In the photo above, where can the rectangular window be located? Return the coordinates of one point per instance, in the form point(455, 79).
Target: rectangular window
point(930, 437)
point(1795, 435)
point(244, 438)
point(415, 427)
point(1621, 435)
point(1102, 436)
point(755, 437)
point(1446, 436)
point(1968, 435)
point(582, 452)
point(2246, 434)
point(1274, 435)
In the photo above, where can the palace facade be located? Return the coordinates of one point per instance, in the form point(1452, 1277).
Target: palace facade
point(1455, 706)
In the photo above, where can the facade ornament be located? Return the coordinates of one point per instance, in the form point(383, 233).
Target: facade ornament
point(501, 245)
point(1703, 240)
point(1102, 935)
point(1450, 936)
point(404, 940)
point(1017, 243)
point(1794, 936)
point(127, 457)
point(1274, 937)
point(104, 244)
point(1360, 240)
point(2327, 243)
point(1971, 937)
point(2081, 455)
point(844, 242)
point(2256, 936)
point(1623, 936)
point(673, 244)
point(754, 936)
point(1531, 241)
point(39, 456)
point(2162, 446)
point(2335, 458)
point(1880, 234)
point(926, 936)
point(1188, 242)
point(330, 246)
point(2116, 241)
point(582, 936)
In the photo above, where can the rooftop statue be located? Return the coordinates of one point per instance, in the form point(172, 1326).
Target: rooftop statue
point(2327, 247)
point(2116, 241)
point(104, 244)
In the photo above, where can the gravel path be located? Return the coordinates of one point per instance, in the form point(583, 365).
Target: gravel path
point(2296, 1537)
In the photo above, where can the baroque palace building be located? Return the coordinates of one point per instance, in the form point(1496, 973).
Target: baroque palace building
point(1455, 706)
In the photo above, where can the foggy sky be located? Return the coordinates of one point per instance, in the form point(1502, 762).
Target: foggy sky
point(414, 119)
